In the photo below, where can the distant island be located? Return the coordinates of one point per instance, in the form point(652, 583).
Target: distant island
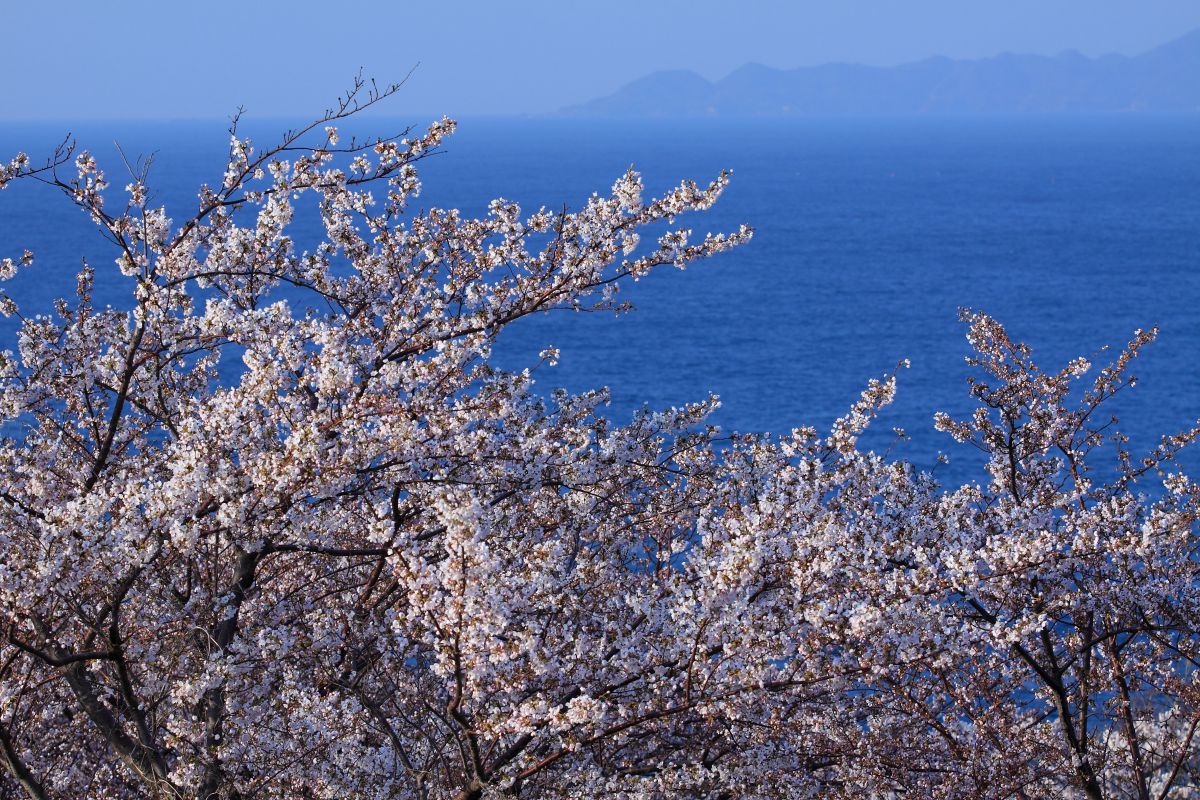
point(1165, 79)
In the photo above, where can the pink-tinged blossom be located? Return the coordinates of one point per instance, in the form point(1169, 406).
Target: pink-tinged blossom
point(362, 561)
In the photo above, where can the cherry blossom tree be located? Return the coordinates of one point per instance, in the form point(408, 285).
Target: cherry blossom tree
point(1053, 608)
point(278, 528)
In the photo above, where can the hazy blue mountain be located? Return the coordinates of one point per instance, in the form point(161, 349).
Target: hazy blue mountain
point(1166, 78)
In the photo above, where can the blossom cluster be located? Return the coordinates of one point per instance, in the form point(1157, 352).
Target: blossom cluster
point(281, 529)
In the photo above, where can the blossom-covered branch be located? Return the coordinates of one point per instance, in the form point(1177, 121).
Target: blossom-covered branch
point(279, 528)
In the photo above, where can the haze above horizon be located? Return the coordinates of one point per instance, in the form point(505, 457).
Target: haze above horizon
point(79, 61)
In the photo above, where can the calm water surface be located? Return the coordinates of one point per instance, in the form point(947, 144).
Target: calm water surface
point(870, 235)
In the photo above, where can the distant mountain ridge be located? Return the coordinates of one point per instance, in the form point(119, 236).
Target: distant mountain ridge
point(1166, 78)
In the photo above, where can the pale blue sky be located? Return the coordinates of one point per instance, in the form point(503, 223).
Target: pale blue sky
point(73, 60)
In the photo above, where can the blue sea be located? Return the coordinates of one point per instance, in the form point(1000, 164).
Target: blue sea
point(871, 234)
